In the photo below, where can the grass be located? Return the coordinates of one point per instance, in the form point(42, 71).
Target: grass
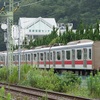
point(68, 83)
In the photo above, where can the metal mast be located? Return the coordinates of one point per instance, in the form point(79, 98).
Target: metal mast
point(7, 13)
point(9, 33)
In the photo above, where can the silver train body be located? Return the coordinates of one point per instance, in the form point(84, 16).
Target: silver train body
point(82, 55)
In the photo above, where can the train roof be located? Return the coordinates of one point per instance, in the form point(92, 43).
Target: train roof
point(73, 44)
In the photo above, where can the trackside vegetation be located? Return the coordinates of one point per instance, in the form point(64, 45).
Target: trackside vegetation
point(3, 95)
point(67, 82)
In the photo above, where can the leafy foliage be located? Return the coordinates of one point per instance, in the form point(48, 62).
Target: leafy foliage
point(4, 94)
point(67, 82)
point(94, 85)
point(64, 11)
point(83, 32)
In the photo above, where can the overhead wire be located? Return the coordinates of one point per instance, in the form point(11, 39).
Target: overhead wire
point(18, 6)
point(31, 3)
point(21, 5)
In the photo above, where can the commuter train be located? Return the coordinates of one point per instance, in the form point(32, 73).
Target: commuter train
point(80, 56)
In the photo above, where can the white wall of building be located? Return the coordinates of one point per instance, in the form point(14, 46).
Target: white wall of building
point(33, 27)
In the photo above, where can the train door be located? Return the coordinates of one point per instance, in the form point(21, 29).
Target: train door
point(54, 57)
point(63, 57)
point(73, 58)
point(44, 59)
point(85, 57)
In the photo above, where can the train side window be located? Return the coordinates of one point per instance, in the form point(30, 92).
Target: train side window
point(85, 53)
point(68, 55)
point(34, 57)
point(17, 58)
point(90, 54)
point(79, 54)
point(28, 58)
point(13, 57)
point(51, 56)
point(2, 58)
point(23, 57)
point(58, 55)
point(41, 56)
point(47, 56)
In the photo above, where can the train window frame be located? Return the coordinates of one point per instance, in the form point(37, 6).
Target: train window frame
point(69, 54)
point(41, 57)
point(22, 57)
point(17, 58)
point(28, 57)
point(58, 55)
point(47, 56)
point(14, 58)
point(34, 56)
point(2, 58)
point(78, 55)
point(88, 56)
point(51, 55)
point(85, 53)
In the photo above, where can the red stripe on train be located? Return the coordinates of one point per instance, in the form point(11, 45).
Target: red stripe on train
point(89, 62)
point(78, 62)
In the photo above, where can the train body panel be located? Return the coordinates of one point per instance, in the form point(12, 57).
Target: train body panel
point(75, 56)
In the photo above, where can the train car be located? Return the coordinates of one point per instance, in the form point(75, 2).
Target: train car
point(80, 56)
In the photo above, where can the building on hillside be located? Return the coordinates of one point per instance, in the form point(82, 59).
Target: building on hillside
point(62, 27)
point(32, 28)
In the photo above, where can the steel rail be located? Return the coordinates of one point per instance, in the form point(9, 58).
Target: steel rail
point(41, 93)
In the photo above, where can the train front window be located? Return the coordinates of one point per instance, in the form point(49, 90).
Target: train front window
point(68, 55)
point(79, 54)
point(89, 53)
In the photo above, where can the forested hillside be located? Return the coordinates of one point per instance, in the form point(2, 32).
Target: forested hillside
point(64, 11)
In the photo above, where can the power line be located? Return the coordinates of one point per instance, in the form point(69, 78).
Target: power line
point(31, 3)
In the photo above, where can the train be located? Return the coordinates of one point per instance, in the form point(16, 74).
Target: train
point(81, 56)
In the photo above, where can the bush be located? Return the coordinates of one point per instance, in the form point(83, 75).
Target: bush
point(93, 83)
point(68, 81)
point(3, 73)
point(3, 94)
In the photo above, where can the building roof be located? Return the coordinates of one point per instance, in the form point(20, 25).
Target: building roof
point(27, 22)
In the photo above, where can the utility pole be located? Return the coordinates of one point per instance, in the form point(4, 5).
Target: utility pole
point(7, 13)
point(9, 32)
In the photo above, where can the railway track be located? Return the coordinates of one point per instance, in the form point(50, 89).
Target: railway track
point(35, 94)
